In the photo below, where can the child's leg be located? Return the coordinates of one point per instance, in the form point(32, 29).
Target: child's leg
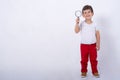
point(93, 58)
point(84, 57)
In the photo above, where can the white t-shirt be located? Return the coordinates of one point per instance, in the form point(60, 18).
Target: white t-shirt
point(88, 32)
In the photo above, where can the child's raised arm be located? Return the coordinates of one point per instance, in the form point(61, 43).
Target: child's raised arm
point(77, 28)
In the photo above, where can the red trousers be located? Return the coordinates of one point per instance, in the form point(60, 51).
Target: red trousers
point(88, 51)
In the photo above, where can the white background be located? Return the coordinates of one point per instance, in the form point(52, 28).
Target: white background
point(38, 42)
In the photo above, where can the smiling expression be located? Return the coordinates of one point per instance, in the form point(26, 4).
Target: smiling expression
point(87, 14)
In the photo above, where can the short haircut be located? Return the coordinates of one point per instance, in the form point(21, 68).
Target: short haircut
point(86, 7)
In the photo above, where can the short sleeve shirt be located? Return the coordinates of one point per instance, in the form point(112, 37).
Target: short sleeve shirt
point(88, 32)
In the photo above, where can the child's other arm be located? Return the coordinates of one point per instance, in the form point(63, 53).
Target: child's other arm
point(77, 29)
point(98, 40)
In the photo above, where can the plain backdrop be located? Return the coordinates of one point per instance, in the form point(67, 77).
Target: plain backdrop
point(38, 42)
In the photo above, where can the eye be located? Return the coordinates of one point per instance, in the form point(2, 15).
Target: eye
point(89, 11)
point(85, 12)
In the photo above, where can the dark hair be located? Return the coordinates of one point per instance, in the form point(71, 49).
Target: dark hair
point(87, 7)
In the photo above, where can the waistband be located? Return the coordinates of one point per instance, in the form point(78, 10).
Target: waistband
point(88, 44)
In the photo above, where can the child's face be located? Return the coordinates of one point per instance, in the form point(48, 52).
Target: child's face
point(87, 14)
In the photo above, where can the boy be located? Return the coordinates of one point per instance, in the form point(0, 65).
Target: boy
point(90, 41)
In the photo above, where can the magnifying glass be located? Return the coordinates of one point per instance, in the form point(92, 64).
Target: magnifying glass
point(78, 13)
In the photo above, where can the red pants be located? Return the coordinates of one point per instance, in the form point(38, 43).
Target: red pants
point(88, 51)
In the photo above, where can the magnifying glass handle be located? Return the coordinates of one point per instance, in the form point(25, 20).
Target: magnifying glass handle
point(78, 19)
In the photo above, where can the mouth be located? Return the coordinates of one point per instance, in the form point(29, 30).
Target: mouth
point(88, 16)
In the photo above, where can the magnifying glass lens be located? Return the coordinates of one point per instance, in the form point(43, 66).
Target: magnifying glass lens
point(78, 13)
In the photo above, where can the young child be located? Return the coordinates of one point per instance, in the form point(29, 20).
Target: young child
point(90, 41)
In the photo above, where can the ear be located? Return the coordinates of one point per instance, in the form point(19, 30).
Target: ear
point(92, 14)
point(83, 14)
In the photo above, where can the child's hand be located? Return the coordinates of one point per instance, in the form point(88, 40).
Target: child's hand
point(98, 47)
point(77, 20)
